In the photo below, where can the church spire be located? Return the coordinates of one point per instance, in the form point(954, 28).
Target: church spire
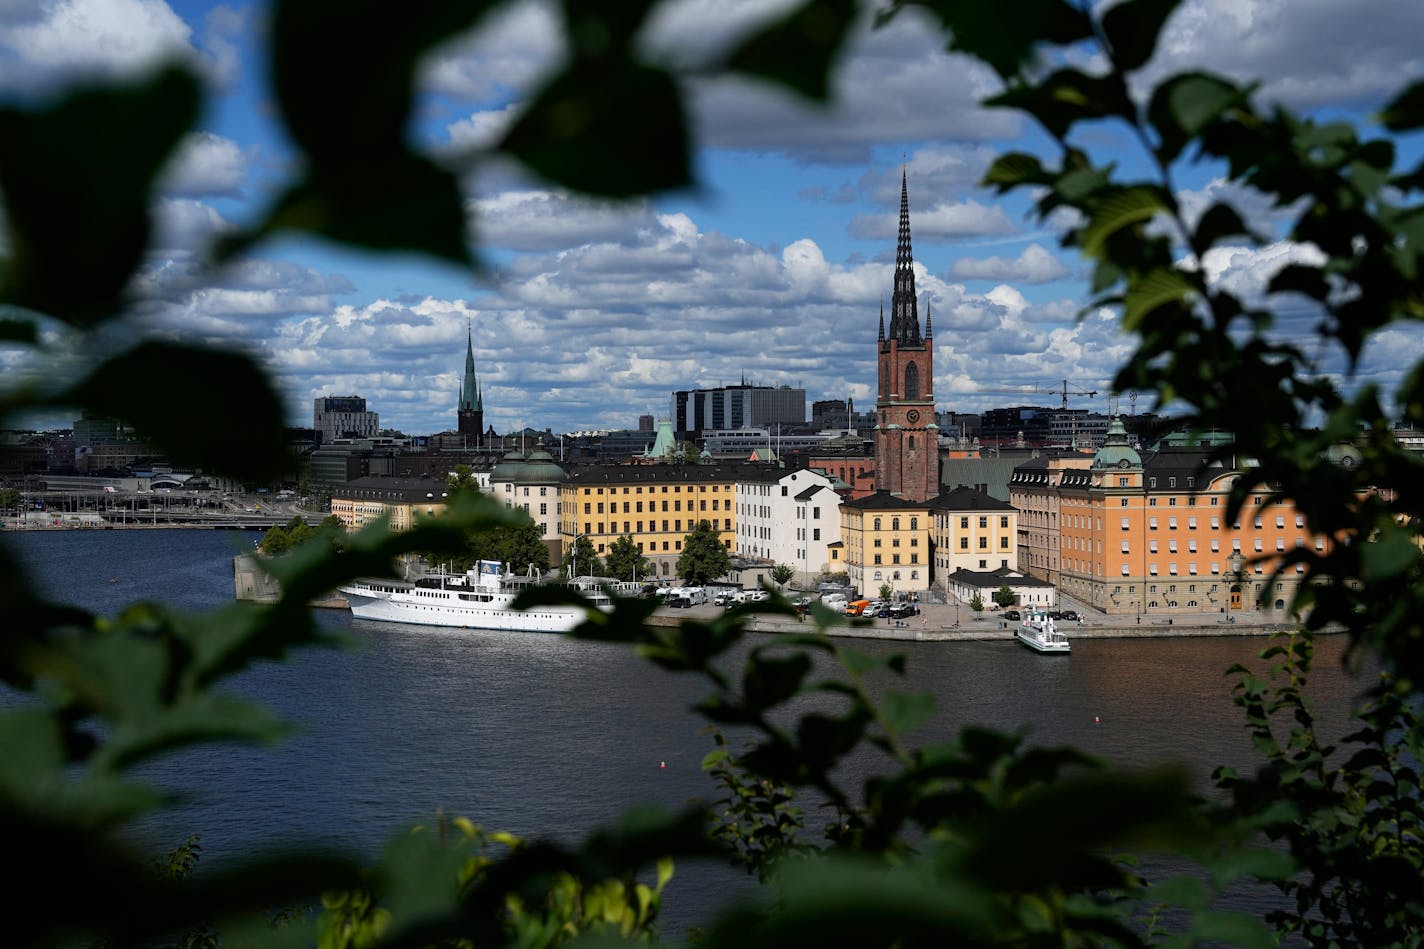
point(904, 308)
point(880, 337)
point(470, 399)
point(929, 322)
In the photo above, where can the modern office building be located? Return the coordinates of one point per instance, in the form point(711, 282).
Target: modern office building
point(695, 411)
point(343, 416)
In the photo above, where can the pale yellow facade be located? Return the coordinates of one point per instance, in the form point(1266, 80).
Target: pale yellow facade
point(887, 541)
point(655, 505)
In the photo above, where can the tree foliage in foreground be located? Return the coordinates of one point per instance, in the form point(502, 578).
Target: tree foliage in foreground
point(961, 841)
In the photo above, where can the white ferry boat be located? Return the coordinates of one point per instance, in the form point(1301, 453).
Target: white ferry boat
point(477, 599)
point(1037, 632)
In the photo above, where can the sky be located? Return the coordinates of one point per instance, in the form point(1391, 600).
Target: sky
point(773, 271)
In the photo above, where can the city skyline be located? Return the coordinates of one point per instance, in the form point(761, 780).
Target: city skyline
point(776, 271)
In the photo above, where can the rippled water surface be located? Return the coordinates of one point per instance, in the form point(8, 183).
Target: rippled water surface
point(542, 735)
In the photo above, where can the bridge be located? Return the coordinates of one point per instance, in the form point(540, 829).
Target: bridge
point(104, 510)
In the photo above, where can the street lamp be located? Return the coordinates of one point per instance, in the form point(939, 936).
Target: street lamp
point(1236, 562)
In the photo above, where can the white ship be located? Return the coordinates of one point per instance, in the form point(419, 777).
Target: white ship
point(477, 599)
point(1037, 632)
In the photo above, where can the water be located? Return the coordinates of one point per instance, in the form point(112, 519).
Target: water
point(546, 736)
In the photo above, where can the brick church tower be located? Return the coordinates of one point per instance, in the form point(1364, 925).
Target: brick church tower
point(471, 410)
point(906, 436)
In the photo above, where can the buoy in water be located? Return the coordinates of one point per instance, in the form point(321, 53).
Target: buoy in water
point(1097, 721)
point(662, 764)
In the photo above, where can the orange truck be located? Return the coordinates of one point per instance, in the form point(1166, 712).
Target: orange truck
point(856, 607)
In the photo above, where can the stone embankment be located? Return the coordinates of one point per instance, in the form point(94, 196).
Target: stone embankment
point(251, 582)
point(938, 623)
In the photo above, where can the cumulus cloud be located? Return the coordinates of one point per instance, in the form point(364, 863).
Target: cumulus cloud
point(1033, 265)
point(206, 166)
point(543, 220)
point(1310, 53)
point(64, 40)
point(940, 222)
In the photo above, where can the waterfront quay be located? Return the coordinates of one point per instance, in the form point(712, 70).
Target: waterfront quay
point(939, 622)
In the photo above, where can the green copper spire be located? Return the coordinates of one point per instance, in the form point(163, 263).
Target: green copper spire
point(470, 399)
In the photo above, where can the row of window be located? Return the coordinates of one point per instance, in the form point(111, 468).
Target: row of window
point(637, 506)
point(653, 489)
point(652, 526)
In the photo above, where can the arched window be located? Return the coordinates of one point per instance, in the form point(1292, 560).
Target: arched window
point(877, 523)
point(877, 574)
point(894, 523)
point(912, 382)
point(912, 443)
point(914, 523)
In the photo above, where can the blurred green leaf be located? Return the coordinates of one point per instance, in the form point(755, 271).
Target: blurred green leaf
point(1004, 37)
point(1232, 928)
point(906, 711)
point(615, 129)
point(798, 50)
point(1067, 97)
point(1217, 222)
point(78, 217)
point(1131, 30)
point(1152, 291)
point(1120, 208)
point(1406, 110)
point(1182, 106)
point(218, 411)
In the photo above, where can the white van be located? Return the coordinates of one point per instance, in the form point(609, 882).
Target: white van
point(834, 601)
point(695, 596)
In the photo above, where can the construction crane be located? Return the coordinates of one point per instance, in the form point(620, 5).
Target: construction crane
point(1040, 390)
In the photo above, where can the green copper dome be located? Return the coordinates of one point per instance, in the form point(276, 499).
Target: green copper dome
point(1117, 452)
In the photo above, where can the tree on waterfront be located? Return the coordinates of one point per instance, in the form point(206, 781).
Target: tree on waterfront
point(584, 559)
point(1004, 596)
point(976, 602)
point(462, 480)
point(519, 544)
point(625, 561)
point(962, 841)
point(278, 539)
point(10, 499)
point(703, 557)
point(782, 573)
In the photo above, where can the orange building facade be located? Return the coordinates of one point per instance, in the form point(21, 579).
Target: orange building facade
point(1149, 535)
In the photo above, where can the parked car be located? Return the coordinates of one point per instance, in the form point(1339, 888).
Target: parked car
point(724, 599)
point(1012, 615)
point(1070, 614)
point(753, 596)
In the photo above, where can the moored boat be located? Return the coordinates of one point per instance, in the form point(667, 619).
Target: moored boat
point(480, 598)
point(1038, 632)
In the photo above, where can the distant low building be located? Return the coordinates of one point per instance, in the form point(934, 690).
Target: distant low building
point(368, 499)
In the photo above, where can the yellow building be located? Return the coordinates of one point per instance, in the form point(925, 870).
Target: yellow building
point(656, 505)
point(359, 502)
point(887, 541)
point(973, 531)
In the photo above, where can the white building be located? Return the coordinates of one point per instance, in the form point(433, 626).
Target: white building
point(531, 484)
point(788, 517)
